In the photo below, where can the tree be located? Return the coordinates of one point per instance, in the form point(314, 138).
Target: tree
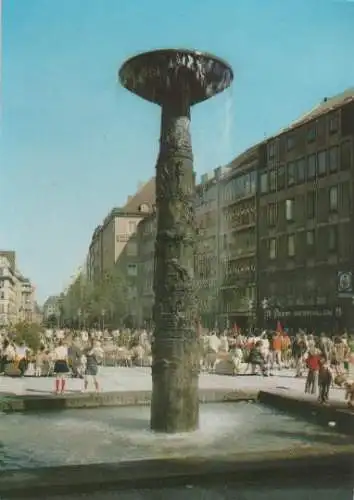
point(88, 303)
point(109, 298)
point(52, 321)
point(72, 300)
point(29, 333)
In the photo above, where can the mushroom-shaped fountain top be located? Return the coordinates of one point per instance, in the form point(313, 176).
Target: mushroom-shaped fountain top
point(158, 75)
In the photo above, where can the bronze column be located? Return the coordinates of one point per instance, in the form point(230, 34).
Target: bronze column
point(175, 368)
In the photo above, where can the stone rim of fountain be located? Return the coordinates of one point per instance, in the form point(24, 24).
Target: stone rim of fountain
point(332, 464)
point(150, 74)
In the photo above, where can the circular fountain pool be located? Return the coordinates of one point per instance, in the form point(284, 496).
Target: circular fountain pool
point(119, 434)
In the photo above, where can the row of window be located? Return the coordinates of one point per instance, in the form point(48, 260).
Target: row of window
point(307, 168)
point(294, 172)
point(239, 187)
point(244, 242)
point(332, 242)
point(301, 298)
point(237, 269)
point(240, 216)
point(332, 122)
point(290, 205)
point(301, 292)
point(233, 299)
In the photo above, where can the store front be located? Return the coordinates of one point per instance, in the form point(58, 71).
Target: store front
point(310, 318)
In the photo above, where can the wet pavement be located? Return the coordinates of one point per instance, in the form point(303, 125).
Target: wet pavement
point(139, 379)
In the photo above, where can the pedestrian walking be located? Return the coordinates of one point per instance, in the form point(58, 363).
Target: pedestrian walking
point(313, 365)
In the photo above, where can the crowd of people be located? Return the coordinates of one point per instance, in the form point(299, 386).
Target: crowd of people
point(325, 359)
point(61, 353)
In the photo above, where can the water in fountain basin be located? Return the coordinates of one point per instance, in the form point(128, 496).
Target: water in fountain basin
point(116, 434)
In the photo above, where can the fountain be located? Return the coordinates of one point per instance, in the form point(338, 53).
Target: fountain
point(122, 435)
point(176, 80)
point(77, 451)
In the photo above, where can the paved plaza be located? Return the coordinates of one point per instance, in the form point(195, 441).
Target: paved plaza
point(139, 379)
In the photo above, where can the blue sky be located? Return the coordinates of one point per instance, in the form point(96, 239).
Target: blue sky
point(74, 144)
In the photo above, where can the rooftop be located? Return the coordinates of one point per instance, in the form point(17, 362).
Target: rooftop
point(327, 104)
point(10, 256)
point(145, 195)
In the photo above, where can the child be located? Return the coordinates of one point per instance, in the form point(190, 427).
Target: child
point(94, 356)
point(236, 358)
point(349, 392)
point(40, 360)
point(81, 369)
point(342, 381)
point(256, 358)
point(313, 365)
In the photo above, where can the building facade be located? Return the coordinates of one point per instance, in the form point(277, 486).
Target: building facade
point(207, 259)
point(225, 260)
point(8, 293)
point(51, 308)
point(111, 237)
point(26, 304)
point(238, 233)
point(37, 316)
point(114, 245)
point(146, 235)
point(275, 229)
point(306, 220)
point(17, 294)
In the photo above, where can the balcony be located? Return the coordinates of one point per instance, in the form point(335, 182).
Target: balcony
point(235, 252)
point(205, 282)
point(238, 280)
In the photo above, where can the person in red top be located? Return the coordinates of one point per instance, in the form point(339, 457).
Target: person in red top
point(313, 364)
